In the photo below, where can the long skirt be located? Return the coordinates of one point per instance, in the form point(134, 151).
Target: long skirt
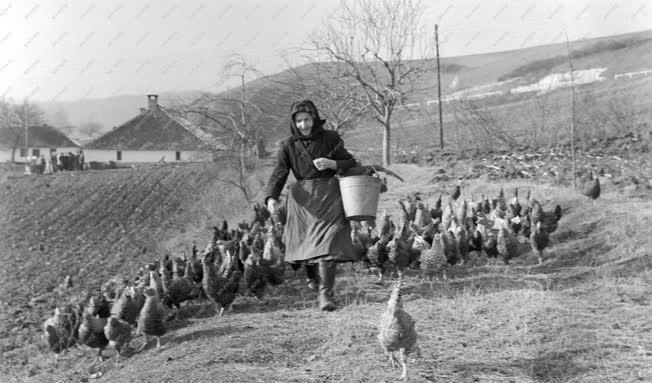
point(316, 228)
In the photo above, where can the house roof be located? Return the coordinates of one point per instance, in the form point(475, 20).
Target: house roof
point(155, 129)
point(44, 136)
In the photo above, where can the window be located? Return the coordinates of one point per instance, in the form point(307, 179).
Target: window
point(36, 152)
point(23, 152)
point(178, 156)
point(118, 155)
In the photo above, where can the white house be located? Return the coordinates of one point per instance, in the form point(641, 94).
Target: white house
point(42, 140)
point(151, 136)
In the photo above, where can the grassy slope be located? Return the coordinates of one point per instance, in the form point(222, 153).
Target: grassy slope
point(580, 316)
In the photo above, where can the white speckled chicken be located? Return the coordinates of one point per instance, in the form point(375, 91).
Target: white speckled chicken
point(433, 260)
point(125, 307)
point(396, 330)
point(118, 333)
point(151, 318)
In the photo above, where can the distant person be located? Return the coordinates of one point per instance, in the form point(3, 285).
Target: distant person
point(41, 165)
point(81, 160)
point(59, 162)
point(48, 165)
point(72, 161)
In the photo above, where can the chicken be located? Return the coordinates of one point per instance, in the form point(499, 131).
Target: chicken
point(475, 239)
point(433, 260)
point(490, 245)
point(151, 318)
point(99, 305)
point(196, 269)
point(461, 213)
point(377, 253)
point(118, 333)
point(254, 276)
point(592, 188)
point(56, 334)
point(422, 216)
point(385, 225)
point(486, 205)
point(506, 244)
point(435, 212)
point(548, 220)
point(456, 190)
point(461, 242)
point(359, 247)
point(91, 332)
point(180, 289)
point(539, 240)
point(514, 204)
point(261, 214)
point(399, 248)
point(156, 283)
point(450, 247)
point(222, 287)
point(396, 331)
point(125, 307)
point(273, 260)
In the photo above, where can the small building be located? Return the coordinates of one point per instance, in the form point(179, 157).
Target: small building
point(42, 140)
point(152, 136)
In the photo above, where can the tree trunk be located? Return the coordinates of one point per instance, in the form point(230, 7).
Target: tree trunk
point(386, 144)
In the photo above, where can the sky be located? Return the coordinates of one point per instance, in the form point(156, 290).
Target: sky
point(66, 50)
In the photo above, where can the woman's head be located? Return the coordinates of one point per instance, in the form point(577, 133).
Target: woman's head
point(305, 120)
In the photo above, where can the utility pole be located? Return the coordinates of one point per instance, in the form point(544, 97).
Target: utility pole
point(572, 111)
point(441, 118)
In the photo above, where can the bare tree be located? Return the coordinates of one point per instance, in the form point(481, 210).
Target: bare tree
point(341, 101)
point(374, 41)
point(230, 114)
point(16, 119)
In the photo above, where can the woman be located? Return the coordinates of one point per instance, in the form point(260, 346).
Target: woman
point(316, 232)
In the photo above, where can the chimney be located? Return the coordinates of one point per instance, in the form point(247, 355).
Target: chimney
point(152, 102)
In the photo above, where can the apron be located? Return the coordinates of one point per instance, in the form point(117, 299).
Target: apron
point(316, 228)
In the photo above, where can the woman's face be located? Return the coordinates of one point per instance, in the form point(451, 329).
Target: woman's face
point(303, 121)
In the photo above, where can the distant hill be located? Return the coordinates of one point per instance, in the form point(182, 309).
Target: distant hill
point(475, 73)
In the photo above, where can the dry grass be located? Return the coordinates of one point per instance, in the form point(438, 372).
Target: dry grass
point(581, 316)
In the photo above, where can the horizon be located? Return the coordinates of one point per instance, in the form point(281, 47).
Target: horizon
point(66, 54)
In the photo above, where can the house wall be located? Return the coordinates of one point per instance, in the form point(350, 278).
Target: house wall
point(145, 155)
point(5, 154)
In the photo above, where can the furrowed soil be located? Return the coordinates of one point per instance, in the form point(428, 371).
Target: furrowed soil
point(583, 315)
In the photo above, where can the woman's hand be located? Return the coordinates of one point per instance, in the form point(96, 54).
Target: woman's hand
point(324, 163)
point(271, 205)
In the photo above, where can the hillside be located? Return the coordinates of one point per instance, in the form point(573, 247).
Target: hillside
point(577, 317)
point(473, 74)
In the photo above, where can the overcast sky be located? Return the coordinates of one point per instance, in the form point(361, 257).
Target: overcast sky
point(65, 50)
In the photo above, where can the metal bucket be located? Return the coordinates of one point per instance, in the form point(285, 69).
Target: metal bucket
point(360, 196)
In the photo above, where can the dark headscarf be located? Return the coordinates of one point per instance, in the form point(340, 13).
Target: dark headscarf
point(317, 122)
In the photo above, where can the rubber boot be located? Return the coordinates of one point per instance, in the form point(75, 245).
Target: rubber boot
point(327, 271)
point(311, 275)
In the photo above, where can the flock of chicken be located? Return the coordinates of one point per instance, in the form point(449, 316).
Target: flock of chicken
point(249, 258)
point(464, 233)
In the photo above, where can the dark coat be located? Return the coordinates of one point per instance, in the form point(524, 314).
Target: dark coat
point(296, 153)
